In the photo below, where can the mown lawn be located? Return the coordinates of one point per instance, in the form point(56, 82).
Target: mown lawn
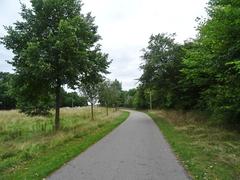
point(207, 151)
point(30, 149)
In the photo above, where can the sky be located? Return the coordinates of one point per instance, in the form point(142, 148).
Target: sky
point(125, 27)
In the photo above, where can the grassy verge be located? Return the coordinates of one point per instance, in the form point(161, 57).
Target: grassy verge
point(207, 152)
point(34, 153)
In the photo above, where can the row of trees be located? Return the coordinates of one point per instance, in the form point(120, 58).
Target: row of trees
point(202, 73)
point(106, 93)
point(9, 101)
point(54, 45)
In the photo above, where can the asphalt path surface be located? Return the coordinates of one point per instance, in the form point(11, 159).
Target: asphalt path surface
point(136, 150)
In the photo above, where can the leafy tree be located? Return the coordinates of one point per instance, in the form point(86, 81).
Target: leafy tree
point(104, 94)
point(129, 97)
point(90, 90)
point(116, 93)
point(161, 69)
point(140, 100)
point(110, 94)
point(7, 100)
point(51, 46)
point(213, 63)
point(94, 76)
point(202, 73)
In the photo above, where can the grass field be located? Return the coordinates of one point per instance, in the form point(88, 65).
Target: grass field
point(207, 151)
point(30, 149)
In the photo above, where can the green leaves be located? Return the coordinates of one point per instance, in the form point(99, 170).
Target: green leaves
point(161, 68)
point(110, 93)
point(7, 99)
point(54, 45)
point(202, 73)
point(212, 64)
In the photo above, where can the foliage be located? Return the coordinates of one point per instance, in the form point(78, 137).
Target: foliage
point(104, 94)
point(161, 69)
point(73, 100)
point(212, 64)
point(116, 93)
point(129, 98)
point(111, 94)
point(7, 100)
point(139, 99)
point(90, 80)
point(202, 73)
point(51, 46)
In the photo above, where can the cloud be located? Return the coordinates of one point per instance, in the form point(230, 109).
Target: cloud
point(125, 27)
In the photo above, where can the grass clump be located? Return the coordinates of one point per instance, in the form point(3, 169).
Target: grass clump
point(30, 149)
point(206, 151)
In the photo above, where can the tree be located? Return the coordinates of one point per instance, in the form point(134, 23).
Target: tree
point(161, 69)
point(128, 98)
point(139, 99)
point(116, 92)
point(51, 47)
point(213, 63)
point(94, 76)
point(104, 94)
point(110, 94)
point(90, 90)
point(7, 100)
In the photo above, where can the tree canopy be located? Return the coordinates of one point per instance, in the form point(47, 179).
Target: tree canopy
point(52, 47)
point(161, 69)
point(201, 74)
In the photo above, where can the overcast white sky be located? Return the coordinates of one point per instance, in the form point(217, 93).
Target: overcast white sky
point(125, 27)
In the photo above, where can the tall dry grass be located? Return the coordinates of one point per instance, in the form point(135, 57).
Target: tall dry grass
point(23, 137)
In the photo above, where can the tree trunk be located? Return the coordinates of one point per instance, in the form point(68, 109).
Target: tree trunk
point(150, 96)
point(57, 107)
point(92, 111)
point(107, 108)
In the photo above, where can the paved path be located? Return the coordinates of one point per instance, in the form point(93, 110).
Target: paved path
point(136, 150)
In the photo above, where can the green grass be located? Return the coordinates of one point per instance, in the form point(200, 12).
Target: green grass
point(207, 152)
point(29, 149)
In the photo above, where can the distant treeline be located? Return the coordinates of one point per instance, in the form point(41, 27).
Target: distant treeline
point(106, 93)
point(8, 100)
point(201, 74)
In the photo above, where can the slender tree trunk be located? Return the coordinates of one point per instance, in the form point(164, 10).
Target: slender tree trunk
point(150, 96)
point(57, 107)
point(107, 108)
point(92, 111)
point(72, 102)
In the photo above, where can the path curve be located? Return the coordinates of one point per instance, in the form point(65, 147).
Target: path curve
point(136, 150)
